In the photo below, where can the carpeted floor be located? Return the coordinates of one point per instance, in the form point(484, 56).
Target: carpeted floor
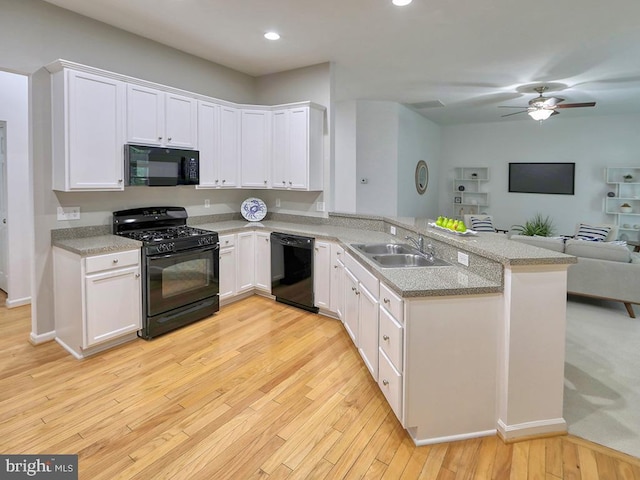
point(602, 374)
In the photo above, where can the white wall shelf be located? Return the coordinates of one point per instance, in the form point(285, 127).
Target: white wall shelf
point(625, 191)
point(469, 195)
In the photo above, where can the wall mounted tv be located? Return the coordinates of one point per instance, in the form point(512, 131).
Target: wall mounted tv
point(553, 178)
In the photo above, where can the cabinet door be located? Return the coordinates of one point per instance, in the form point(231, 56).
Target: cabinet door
point(181, 121)
point(228, 157)
point(263, 261)
point(337, 280)
point(95, 135)
point(351, 305)
point(112, 304)
point(245, 273)
point(254, 152)
point(208, 143)
point(368, 330)
point(227, 272)
point(322, 275)
point(145, 115)
point(298, 165)
point(280, 149)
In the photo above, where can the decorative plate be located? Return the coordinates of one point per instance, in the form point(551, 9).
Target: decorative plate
point(468, 231)
point(253, 209)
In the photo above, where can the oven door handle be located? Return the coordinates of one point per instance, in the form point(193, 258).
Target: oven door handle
point(194, 250)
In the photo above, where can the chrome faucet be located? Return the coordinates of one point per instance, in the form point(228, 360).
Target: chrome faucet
point(419, 243)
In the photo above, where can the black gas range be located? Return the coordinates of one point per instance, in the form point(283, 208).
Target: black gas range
point(180, 267)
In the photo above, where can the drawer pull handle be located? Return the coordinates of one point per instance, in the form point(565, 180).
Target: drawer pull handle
point(357, 292)
point(115, 260)
point(353, 289)
point(385, 337)
point(137, 275)
point(335, 266)
point(385, 383)
point(386, 300)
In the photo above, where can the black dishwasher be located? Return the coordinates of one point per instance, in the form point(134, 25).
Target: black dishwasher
point(292, 270)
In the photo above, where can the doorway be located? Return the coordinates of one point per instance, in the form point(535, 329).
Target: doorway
point(3, 208)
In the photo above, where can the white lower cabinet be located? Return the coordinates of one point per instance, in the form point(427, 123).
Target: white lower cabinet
point(322, 275)
point(391, 348)
point(337, 280)
point(98, 299)
point(227, 272)
point(263, 261)
point(361, 311)
point(246, 268)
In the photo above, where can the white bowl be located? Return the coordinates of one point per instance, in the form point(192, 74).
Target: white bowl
point(626, 209)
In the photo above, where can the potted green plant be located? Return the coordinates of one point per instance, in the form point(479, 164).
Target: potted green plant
point(628, 178)
point(542, 227)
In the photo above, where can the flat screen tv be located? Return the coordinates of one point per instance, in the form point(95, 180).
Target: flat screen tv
point(553, 178)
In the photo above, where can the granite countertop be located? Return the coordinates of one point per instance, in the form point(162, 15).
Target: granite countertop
point(96, 245)
point(406, 282)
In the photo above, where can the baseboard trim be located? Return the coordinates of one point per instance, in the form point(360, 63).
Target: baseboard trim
point(530, 430)
point(42, 338)
point(18, 302)
point(452, 438)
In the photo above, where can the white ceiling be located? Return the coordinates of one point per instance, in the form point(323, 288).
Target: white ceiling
point(471, 55)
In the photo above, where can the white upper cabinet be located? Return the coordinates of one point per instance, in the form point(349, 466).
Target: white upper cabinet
point(161, 118)
point(297, 148)
point(88, 131)
point(219, 145)
point(255, 148)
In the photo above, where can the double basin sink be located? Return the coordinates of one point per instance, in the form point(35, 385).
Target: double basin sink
point(398, 255)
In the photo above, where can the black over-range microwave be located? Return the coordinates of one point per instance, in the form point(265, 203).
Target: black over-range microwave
point(161, 167)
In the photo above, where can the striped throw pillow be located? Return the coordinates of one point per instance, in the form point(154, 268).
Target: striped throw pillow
point(482, 224)
point(591, 233)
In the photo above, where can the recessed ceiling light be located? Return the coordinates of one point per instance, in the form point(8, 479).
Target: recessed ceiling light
point(274, 35)
point(401, 3)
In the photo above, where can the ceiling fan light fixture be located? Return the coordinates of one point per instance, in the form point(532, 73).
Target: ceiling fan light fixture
point(540, 113)
point(272, 36)
point(401, 3)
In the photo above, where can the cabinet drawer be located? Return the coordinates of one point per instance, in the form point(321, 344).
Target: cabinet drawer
point(112, 260)
point(390, 338)
point(227, 241)
point(390, 382)
point(392, 302)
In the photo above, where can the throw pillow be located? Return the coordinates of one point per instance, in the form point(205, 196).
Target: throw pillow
point(592, 233)
point(598, 250)
point(482, 224)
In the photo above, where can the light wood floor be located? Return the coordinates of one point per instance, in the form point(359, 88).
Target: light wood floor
point(261, 390)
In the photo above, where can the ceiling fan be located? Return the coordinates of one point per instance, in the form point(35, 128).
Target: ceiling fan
point(541, 108)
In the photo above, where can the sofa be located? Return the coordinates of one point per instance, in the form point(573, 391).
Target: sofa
point(605, 269)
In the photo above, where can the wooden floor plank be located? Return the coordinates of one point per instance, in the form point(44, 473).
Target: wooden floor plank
point(260, 383)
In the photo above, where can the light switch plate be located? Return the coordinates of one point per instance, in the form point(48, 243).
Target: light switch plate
point(392, 230)
point(68, 213)
point(463, 258)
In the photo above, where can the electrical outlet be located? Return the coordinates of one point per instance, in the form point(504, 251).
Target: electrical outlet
point(463, 258)
point(320, 206)
point(392, 230)
point(277, 202)
point(207, 203)
point(68, 213)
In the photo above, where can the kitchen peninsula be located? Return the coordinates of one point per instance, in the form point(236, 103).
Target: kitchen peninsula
point(460, 351)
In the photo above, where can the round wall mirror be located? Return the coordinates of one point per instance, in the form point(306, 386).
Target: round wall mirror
point(422, 177)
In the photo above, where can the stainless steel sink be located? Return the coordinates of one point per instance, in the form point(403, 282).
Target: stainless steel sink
point(398, 255)
point(384, 248)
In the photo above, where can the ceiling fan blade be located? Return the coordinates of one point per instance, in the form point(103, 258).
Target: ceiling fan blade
point(555, 112)
point(508, 106)
point(577, 105)
point(514, 113)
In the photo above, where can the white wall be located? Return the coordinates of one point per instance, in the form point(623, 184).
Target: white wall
point(418, 139)
point(377, 157)
point(302, 84)
point(593, 143)
point(14, 104)
point(345, 159)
